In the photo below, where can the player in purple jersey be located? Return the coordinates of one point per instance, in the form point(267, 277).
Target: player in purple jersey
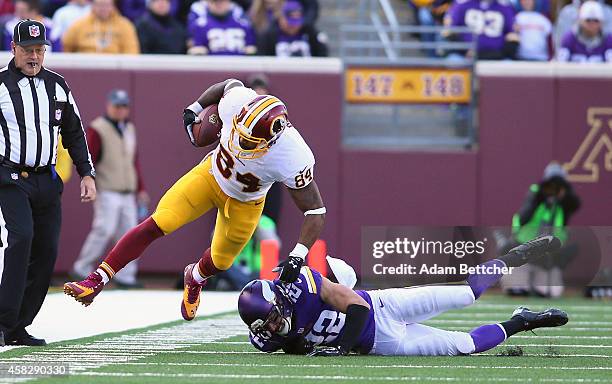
point(318, 317)
point(220, 28)
point(491, 21)
point(587, 42)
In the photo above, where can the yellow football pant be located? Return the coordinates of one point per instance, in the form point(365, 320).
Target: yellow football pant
point(196, 193)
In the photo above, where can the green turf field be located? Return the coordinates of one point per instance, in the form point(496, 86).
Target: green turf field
point(216, 350)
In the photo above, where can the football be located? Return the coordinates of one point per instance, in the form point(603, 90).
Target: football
point(208, 130)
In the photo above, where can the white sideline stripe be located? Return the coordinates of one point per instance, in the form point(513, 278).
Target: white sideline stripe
point(329, 378)
point(548, 355)
point(364, 366)
point(588, 308)
point(468, 322)
point(564, 337)
point(557, 329)
point(129, 348)
point(513, 337)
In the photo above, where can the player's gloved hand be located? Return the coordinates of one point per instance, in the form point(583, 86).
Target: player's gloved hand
point(328, 351)
point(289, 269)
point(190, 117)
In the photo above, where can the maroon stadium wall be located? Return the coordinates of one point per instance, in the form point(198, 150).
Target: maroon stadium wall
point(525, 121)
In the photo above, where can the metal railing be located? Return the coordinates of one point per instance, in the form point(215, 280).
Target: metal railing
point(397, 125)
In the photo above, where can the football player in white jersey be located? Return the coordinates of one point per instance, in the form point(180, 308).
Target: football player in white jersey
point(258, 146)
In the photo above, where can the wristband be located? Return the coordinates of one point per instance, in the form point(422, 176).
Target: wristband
point(195, 108)
point(318, 211)
point(300, 251)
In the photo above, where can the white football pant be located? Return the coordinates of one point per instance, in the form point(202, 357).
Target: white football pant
point(397, 312)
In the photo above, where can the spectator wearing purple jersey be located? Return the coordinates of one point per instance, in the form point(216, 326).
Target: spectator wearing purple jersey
point(491, 22)
point(587, 42)
point(534, 31)
point(26, 9)
point(159, 32)
point(568, 18)
point(221, 29)
point(290, 37)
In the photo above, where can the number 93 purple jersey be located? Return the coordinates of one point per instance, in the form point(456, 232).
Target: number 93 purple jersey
point(312, 319)
point(489, 20)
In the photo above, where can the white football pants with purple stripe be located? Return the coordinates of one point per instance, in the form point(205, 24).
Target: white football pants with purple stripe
point(398, 311)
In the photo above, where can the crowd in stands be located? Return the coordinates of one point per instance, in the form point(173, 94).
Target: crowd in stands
point(524, 29)
point(535, 30)
point(197, 27)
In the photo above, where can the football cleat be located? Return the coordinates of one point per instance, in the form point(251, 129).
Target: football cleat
point(86, 290)
point(551, 317)
point(531, 250)
point(191, 293)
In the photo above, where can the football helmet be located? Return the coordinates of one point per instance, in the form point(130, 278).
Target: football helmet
point(259, 124)
point(264, 309)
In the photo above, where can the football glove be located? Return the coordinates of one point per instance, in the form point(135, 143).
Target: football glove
point(289, 269)
point(190, 117)
point(328, 351)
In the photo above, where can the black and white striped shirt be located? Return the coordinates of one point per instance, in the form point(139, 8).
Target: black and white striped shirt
point(33, 112)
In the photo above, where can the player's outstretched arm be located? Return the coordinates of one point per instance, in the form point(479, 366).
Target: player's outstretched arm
point(309, 201)
point(357, 311)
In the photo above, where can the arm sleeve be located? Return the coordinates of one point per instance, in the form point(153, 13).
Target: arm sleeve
point(73, 137)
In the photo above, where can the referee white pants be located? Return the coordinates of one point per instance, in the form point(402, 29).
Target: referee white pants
point(397, 313)
point(114, 214)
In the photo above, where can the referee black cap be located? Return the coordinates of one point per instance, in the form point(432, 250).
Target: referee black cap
point(30, 32)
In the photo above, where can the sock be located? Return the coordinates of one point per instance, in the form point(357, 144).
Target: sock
point(132, 245)
point(488, 336)
point(206, 268)
point(105, 275)
point(480, 282)
point(513, 326)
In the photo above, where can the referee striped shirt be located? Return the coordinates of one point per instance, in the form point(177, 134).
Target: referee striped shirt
point(33, 112)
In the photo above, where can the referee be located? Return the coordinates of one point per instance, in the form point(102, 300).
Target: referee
point(35, 106)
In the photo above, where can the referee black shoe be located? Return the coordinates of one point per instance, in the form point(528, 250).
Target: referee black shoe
point(531, 250)
point(551, 317)
point(22, 337)
point(1, 339)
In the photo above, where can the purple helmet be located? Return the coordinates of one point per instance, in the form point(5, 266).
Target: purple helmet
point(264, 309)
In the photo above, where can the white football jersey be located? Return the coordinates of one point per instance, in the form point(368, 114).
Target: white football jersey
point(289, 160)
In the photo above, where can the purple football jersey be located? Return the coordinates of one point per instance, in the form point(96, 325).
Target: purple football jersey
point(292, 46)
point(489, 20)
point(313, 319)
point(228, 35)
point(574, 48)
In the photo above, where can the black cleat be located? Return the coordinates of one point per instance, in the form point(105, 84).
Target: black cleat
point(22, 337)
point(551, 317)
point(531, 250)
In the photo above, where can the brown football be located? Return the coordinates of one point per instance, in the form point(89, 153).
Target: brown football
point(208, 131)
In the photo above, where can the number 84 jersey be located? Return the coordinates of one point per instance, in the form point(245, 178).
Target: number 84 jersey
point(289, 160)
